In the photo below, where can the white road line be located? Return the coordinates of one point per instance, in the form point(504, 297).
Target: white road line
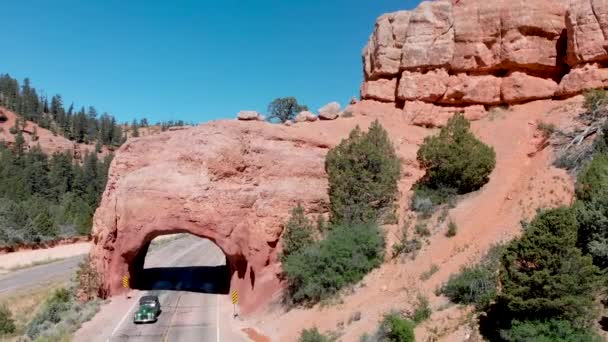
point(122, 321)
point(217, 316)
point(135, 302)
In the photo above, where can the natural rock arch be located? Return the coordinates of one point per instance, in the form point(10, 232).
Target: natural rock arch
point(231, 182)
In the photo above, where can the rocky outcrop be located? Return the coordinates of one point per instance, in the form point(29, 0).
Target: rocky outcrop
point(231, 182)
point(478, 52)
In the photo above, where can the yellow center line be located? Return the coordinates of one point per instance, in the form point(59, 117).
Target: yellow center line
point(171, 320)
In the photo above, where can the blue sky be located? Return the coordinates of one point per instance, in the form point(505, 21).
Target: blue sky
point(190, 60)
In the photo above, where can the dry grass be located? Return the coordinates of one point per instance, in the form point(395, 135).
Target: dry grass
point(25, 303)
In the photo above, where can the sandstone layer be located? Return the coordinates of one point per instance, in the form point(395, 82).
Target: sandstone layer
point(476, 52)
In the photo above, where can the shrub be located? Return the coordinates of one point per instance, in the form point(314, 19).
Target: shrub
point(425, 199)
point(426, 275)
point(547, 331)
point(313, 335)
point(346, 255)
point(475, 285)
point(595, 102)
point(363, 172)
point(298, 233)
point(544, 276)
point(406, 246)
point(89, 281)
point(7, 324)
point(60, 316)
point(591, 209)
point(50, 313)
point(547, 129)
point(422, 311)
point(456, 158)
point(394, 328)
point(422, 229)
point(452, 229)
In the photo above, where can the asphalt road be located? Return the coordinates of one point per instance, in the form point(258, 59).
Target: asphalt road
point(41, 274)
point(191, 315)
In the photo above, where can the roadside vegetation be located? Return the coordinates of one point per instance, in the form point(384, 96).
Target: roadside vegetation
point(54, 312)
point(320, 261)
point(44, 199)
point(60, 316)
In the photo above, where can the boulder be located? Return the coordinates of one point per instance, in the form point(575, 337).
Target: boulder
point(305, 116)
point(428, 87)
point(381, 90)
point(429, 38)
point(330, 111)
point(249, 115)
point(465, 89)
point(329, 116)
point(520, 87)
point(581, 78)
point(288, 123)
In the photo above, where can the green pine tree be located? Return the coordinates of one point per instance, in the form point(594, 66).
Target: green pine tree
point(363, 173)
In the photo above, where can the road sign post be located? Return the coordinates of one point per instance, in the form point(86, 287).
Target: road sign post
point(235, 301)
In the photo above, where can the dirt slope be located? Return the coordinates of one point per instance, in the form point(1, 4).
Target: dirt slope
point(522, 181)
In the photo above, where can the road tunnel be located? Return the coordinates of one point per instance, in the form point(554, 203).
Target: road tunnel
point(181, 262)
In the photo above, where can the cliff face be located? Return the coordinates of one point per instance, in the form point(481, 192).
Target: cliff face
point(473, 52)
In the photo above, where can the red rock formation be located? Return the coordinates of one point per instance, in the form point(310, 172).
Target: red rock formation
point(232, 182)
point(478, 52)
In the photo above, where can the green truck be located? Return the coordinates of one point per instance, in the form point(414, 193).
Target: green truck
point(148, 311)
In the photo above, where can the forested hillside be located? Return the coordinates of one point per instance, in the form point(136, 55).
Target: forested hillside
point(80, 125)
point(45, 197)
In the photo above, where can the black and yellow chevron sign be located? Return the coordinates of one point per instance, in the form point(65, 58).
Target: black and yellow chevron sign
point(235, 297)
point(125, 282)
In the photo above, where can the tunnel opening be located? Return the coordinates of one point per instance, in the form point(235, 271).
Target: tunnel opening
point(180, 262)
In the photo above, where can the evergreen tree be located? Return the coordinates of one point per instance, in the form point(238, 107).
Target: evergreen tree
point(135, 129)
point(298, 233)
point(544, 276)
point(456, 158)
point(61, 175)
point(285, 108)
point(36, 172)
point(363, 173)
point(19, 146)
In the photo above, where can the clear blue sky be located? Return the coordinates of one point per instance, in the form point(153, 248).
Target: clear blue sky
point(190, 60)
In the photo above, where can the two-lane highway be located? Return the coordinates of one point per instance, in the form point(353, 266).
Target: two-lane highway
point(186, 316)
point(61, 270)
point(186, 274)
